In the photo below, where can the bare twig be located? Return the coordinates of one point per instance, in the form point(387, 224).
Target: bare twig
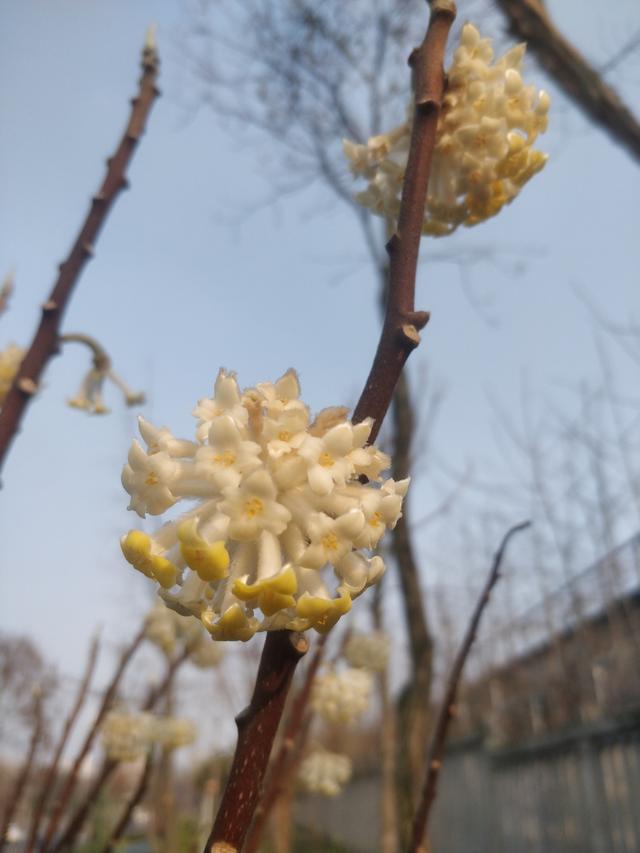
point(16, 794)
point(6, 292)
point(529, 20)
point(447, 708)
point(134, 799)
point(45, 342)
point(279, 769)
point(50, 776)
point(62, 799)
point(76, 823)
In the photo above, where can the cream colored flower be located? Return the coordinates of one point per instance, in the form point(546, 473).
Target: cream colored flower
point(324, 772)
point(10, 361)
point(339, 697)
point(277, 508)
point(484, 146)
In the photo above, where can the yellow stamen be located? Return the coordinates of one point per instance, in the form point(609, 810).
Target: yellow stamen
point(227, 458)
point(325, 460)
point(330, 542)
point(253, 507)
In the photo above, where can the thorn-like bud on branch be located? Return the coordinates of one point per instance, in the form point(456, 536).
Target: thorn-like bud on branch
point(150, 57)
point(27, 386)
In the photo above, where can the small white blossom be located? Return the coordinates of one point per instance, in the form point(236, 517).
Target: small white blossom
point(339, 697)
point(368, 651)
point(278, 502)
point(324, 772)
point(484, 151)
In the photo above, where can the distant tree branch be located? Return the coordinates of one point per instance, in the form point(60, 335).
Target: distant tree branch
point(446, 711)
point(529, 21)
point(45, 342)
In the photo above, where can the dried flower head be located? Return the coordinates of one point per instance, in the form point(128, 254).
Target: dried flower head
point(368, 651)
point(339, 697)
point(324, 772)
point(278, 501)
point(10, 361)
point(484, 146)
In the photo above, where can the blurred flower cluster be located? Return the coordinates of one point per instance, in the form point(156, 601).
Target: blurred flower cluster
point(339, 697)
point(368, 651)
point(127, 737)
point(484, 145)
point(324, 772)
point(167, 630)
point(279, 498)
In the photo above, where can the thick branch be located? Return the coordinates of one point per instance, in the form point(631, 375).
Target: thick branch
point(402, 323)
point(64, 797)
point(530, 21)
point(447, 708)
point(257, 726)
point(280, 768)
point(50, 776)
point(45, 342)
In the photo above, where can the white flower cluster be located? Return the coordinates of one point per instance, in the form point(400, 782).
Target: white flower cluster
point(368, 651)
point(10, 361)
point(339, 697)
point(323, 772)
point(127, 737)
point(278, 499)
point(483, 154)
point(165, 628)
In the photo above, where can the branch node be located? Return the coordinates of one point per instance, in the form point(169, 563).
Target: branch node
point(27, 386)
point(124, 184)
point(88, 250)
point(410, 336)
point(49, 307)
point(419, 319)
point(427, 105)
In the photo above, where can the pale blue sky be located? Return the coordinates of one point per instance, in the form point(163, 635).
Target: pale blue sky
point(173, 292)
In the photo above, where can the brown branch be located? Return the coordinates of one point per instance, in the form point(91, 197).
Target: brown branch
point(50, 776)
point(447, 708)
point(155, 693)
point(402, 323)
point(45, 342)
point(62, 799)
point(23, 776)
point(257, 726)
point(134, 799)
point(529, 20)
point(279, 771)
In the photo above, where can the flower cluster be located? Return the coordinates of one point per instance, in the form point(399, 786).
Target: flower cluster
point(165, 628)
point(368, 651)
point(279, 498)
point(10, 360)
point(127, 737)
point(323, 772)
point(483, 153)
point(339, 697)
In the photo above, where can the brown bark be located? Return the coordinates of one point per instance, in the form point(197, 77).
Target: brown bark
point(45, 342)
point(529, 21)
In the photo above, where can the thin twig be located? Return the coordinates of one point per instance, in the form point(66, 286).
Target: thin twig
point(257, 726)
point(45, 342)
point(14, 798)
point(279, 771)
point(156, 692)
point(134, 799)
point(50, 776)
point(447, 708)
point(63, 798)
point(529, 21)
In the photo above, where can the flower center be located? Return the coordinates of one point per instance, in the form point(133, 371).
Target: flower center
point(326, 460)
point(152, 479)
point(253, 507)
point(284, 435)
point(375, 519)
point(330, 542)
point(227, 458)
